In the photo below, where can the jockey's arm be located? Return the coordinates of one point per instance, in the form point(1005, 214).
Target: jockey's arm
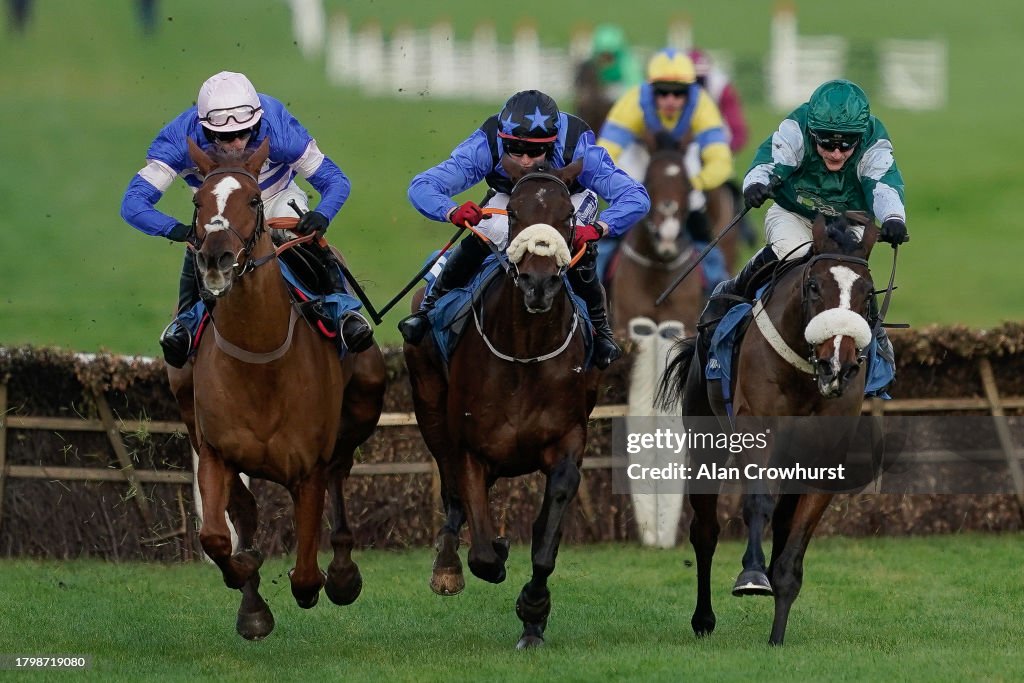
point(166, 159)
point(779, 155)
point(627, 199)
point(325, 177)
point(712, 140)
point(431, 191)
point(882, 182)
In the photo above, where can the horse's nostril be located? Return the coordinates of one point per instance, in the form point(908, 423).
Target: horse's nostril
point(226, 260)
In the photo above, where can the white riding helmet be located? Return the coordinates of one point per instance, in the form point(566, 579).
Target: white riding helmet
point(227, 102)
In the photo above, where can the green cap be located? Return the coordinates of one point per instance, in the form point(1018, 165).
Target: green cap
point(608, 38)
point(838, 106)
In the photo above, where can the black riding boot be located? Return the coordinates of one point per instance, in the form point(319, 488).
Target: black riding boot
point(742, 286)
point(176, 339)
point(356, 333)
point(585, 282)
point(463, 262)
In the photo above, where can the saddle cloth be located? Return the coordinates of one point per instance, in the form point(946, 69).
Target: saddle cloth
point(452, 313)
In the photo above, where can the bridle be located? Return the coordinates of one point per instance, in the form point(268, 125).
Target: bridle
point(244, 260)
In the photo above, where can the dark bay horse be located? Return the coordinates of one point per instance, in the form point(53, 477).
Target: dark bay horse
point(802, 356)
point(268, 397)
point(516, 397)
point(656, 250)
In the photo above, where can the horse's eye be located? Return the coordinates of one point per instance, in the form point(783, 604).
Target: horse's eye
point(254, 202)
point(813, 288)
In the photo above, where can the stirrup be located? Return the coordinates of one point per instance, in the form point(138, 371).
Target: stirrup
point(359, 336)
point(414, 328)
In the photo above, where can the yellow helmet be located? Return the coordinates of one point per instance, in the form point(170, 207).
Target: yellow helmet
point(671, 66)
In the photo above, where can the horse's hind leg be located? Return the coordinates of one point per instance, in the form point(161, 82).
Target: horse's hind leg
point(758, 506)
point(306, 577)
point(534, 603)
point(255, 621)
point(344, 582)
point(788, 566)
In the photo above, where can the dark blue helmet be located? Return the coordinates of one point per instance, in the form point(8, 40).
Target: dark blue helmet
point(530, 116)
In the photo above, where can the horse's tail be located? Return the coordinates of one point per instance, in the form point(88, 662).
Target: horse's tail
point(673, 381)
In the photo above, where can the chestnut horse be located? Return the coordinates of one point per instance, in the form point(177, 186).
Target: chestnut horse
point(515, 399)
point(267, 397)
point(655, 250)
point(802, 356)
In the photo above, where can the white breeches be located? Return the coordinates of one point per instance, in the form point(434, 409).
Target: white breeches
point(786, 231)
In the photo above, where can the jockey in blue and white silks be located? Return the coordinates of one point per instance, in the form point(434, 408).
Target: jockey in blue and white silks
point(231, 115)
point(530, 130)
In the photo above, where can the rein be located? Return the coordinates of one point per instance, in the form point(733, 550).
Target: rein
point(512, 271)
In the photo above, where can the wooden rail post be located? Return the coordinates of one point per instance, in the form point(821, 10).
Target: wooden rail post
point(127, 466)
point(3, 447)
point(988, 381)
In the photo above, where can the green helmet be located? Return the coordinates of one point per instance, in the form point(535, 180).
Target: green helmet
point(608, 38)
point(838, 107)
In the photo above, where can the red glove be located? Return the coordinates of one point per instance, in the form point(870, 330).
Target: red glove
point(584, 235)
point(467, 213)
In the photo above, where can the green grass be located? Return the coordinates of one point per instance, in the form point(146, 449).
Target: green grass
point(84, 92)
point(941, 608)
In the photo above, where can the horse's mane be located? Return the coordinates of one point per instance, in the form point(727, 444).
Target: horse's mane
point(837, 230)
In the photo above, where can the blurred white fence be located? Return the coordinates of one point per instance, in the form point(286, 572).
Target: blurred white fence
point(417, 62)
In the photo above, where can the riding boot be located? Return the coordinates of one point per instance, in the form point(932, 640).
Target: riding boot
point(585, 282)
point(356, 332)
point(463, 262)
point(883, 347)
point(742, 286)
point(176, 339)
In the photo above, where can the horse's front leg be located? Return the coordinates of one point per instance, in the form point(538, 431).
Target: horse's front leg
point(487, 552)
point(446, 577)
point(215, 482)
point(534, 603)
point(704, 530)
point(306, 577)
point(788, 566)
point(255, 620)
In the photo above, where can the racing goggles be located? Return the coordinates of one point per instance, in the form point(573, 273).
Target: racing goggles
point(670, 89)
point(240, 115)
point(830, 142)
point(533, 150)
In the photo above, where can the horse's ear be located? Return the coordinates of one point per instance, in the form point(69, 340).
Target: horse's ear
point(819, 234)
point(512, 168)
point(202, 160)
point(255, 162)
point(570, 172)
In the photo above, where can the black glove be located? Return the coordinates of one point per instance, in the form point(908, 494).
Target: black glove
point(756, 194)
point(312, 221)
point(894, 231)
point(179, 233)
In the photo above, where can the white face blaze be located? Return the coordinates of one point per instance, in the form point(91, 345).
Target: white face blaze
point(221, 192)
point(841, 321)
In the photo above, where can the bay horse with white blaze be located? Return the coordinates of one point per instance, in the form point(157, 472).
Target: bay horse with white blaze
point(267, 397)
point(516, 397)
point(656, 250)
point(819, 305)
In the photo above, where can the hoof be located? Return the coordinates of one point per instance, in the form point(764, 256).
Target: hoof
point(703, 626)
point(447, 582)
point(304, 597)
point(752, 582)
point(344, 591)
point(528, 642)
point(254, 625)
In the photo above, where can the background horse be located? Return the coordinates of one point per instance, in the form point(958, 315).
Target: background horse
point(516, 397)
point(655, 250)
point(817, 305)
point(267, 397)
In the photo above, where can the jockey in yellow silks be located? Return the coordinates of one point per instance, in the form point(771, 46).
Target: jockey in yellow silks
point(671, 104)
